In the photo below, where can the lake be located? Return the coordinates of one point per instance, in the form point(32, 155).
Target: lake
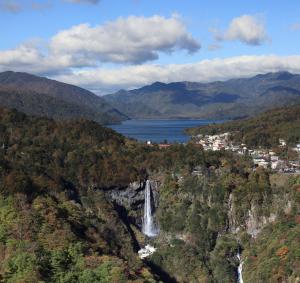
point(159, 130)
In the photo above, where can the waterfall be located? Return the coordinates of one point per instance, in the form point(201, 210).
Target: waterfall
point(148, 224)
point(240, 269)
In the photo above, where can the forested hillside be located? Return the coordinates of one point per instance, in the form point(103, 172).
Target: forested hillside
point(56, 224)
point(59, 222)
point(208, 219)
point(44, 97)
point(262, 130)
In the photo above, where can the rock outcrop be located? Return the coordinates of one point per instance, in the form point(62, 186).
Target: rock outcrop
point(132, 196)
point(130, 200)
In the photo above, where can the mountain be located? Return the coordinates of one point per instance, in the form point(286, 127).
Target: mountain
point(217, 100)
point(44, 97)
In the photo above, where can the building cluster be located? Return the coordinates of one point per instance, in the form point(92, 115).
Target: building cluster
point(215, 142)
point(268, 159)
point(261, 157)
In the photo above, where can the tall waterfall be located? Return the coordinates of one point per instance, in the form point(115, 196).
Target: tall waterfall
point(240, 269)
point(148, 224)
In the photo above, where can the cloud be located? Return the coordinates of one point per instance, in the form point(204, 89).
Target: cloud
point(22, 55)
point(295, 27)
point(214, 47)
point(29, 58)
point(84, 1)
point(16, 6)
point(129, 40)
point(246, 28)
point(40, 5)
point(10, 6)
point(77, 55)
point(103, 80)
point(126, 40)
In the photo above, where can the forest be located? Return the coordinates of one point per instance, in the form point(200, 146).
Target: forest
point(58, 225)
point(262, 130)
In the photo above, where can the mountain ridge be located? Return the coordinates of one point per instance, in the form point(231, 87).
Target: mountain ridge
point(45, 97)
point(215, 100)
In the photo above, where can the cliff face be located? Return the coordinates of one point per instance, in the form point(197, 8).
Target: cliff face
point(206, 220)
point(256, 222)
point(253, 221)
point(132, 197)
point(277, 200)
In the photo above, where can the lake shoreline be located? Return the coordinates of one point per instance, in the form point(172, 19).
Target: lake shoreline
point(159, 130)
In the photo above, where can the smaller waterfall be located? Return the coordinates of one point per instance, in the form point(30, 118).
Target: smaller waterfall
point(148, 224)
point(240, 269)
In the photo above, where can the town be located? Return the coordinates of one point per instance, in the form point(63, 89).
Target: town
point(266, 158)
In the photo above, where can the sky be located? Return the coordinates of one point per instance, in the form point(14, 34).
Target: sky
point(107, 45)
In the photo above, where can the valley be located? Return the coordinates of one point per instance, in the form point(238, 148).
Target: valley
point(69, 203)
point(149, 141)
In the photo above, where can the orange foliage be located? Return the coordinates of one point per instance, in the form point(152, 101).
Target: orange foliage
point(282, 252)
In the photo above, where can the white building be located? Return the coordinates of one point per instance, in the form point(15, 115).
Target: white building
point(261, 162)
point(282, 142)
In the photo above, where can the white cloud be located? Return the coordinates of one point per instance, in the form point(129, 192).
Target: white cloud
point(29, 58)
point(247, 29)
point(76, 55)
point(108, 80)
point(126, 40)
point(130, 40)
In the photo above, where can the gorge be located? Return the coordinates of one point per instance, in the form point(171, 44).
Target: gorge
point(85, 218)
point(149, 141)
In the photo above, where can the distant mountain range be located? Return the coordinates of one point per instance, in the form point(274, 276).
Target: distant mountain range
point(231, 99)
point(44, 97)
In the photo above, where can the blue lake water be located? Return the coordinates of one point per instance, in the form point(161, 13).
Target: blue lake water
point(159, 130)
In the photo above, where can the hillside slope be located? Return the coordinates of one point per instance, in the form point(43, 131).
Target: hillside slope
point(69, 212)
point(263, 130)
point(217, 100)
point(43, 97)
point(56, 222)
